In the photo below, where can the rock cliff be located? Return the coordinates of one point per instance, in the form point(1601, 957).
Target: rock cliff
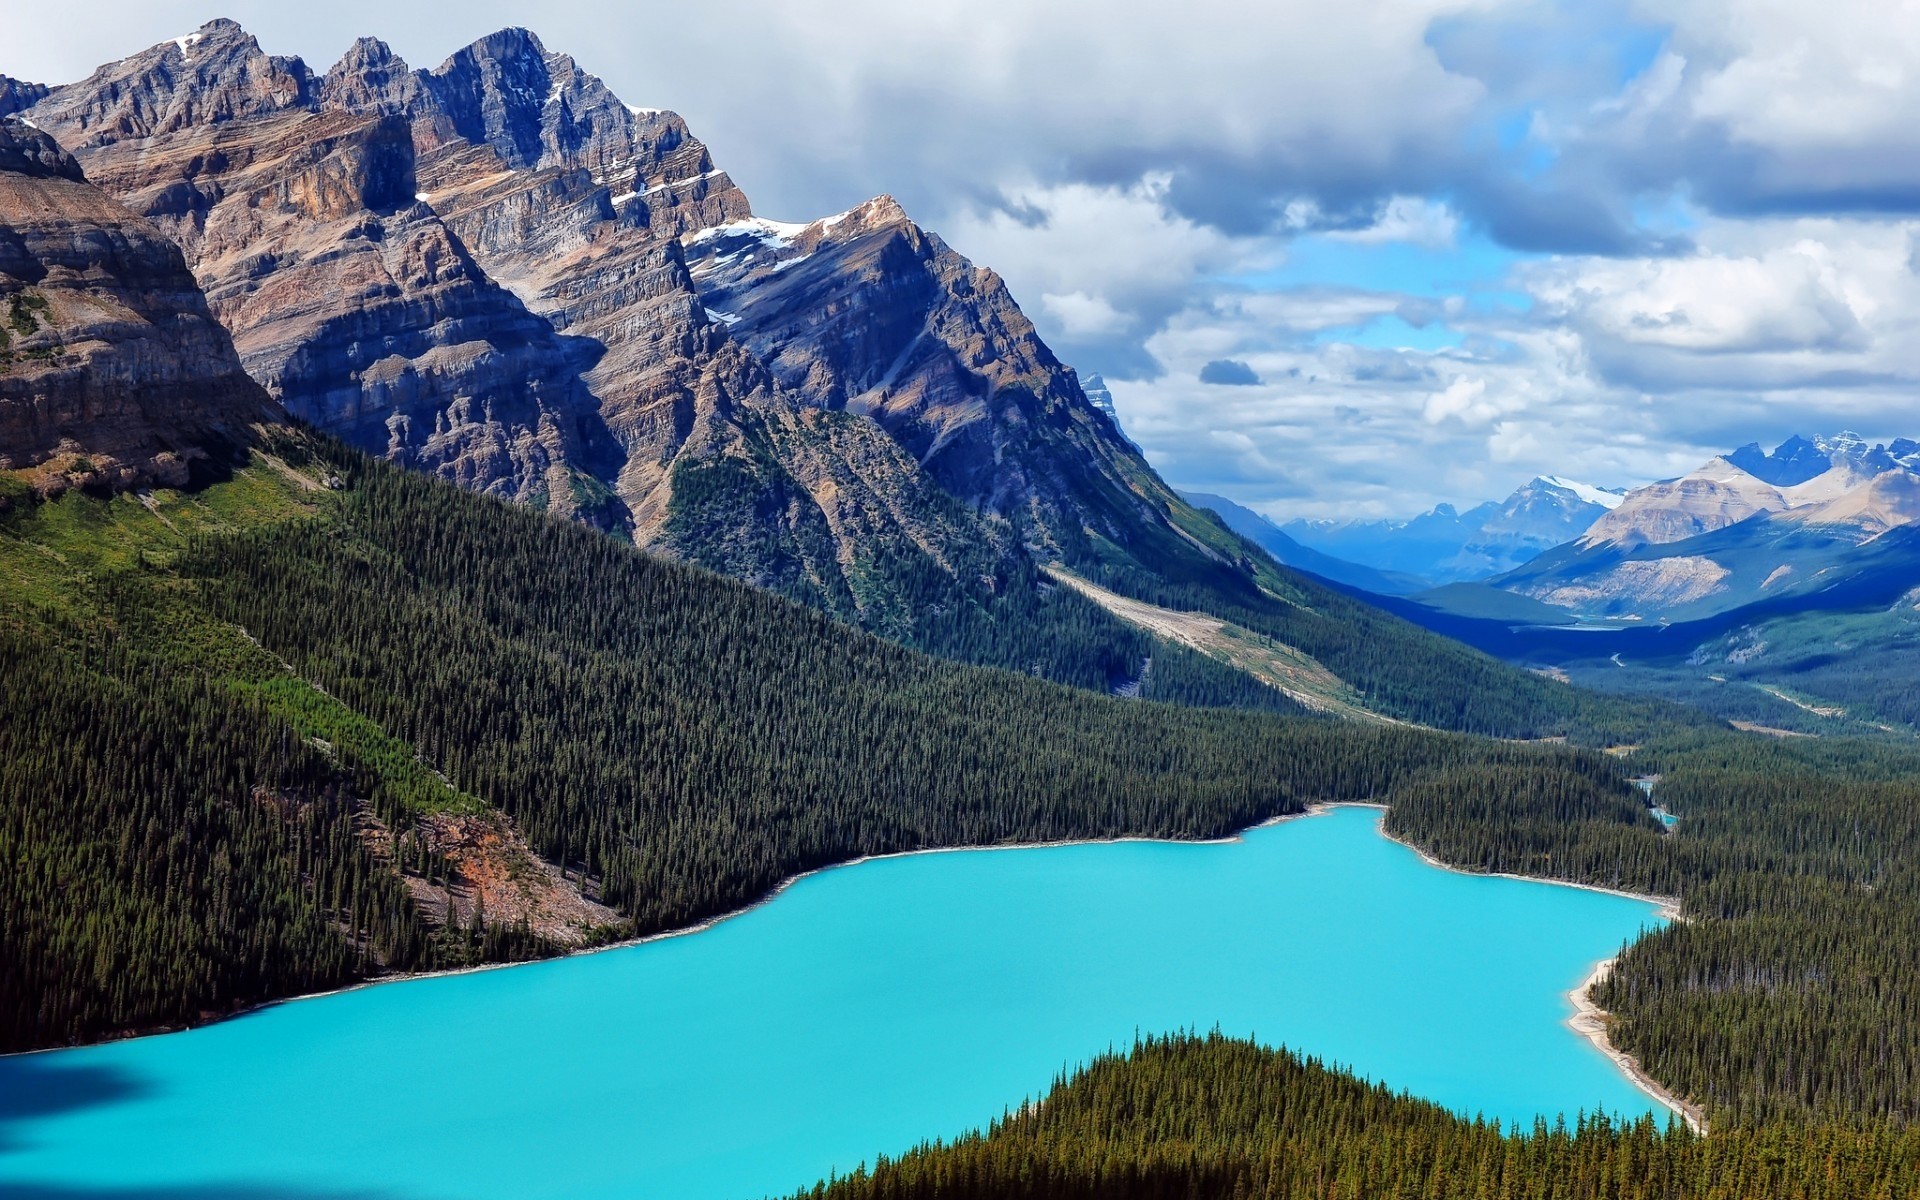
point(349, 299)
point(498, 271)
point(112, 370)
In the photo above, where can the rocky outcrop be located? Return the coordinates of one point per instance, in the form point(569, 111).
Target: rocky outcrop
point(539, 111)
point(497, 271)
point(867, 313)
point(112, 370)
point(349, 299)
point(215, 75)
point(17, 94)
point(720, 464)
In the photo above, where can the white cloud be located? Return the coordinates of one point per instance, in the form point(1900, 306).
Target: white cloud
point(1464, 400)
point(1804, 77)
point(1423, 222)
point(1082, 316)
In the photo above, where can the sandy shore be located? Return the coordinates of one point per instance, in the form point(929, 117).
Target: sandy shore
point(1589, 1020)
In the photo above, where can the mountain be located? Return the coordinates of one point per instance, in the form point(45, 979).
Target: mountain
point(112, 370)
point(1774, 589)
point(480, 271)
point(1288, 552)
point(16, 94)
point(1101, 397)
point(497, 272)
point(1445, 545)
point(1743, 527)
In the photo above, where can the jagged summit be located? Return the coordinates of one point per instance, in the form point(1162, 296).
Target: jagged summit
point(1795, 481)
point(499, 271)
point(1447, 545)
point(214, 75)
point(371, 78)
point(1608, 498)
point(17, 94)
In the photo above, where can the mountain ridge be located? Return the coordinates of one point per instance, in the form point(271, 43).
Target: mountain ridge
point(1446, 545)
point(582, 315)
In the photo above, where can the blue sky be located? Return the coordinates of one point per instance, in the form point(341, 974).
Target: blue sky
point(1455, 242)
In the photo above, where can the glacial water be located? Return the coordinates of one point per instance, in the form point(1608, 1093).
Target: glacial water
point(866, 1008)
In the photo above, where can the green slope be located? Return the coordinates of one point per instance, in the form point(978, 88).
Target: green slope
point(317, 676)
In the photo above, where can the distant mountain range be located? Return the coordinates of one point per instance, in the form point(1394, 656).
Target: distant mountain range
point(1743, 527)
point(1447, 546)
point(1779, 589)
point(1269, 537)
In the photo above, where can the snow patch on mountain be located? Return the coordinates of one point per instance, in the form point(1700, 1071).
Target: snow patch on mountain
point(1604, 497)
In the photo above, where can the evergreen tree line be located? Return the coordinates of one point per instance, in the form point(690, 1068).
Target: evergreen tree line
point(689, 742)
point(216, 748)
point(1187, 1118)
point(170, 852)
point(1792, 987)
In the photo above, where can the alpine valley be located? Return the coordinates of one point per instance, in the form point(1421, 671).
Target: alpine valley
point(1774, 588)
point(442, 525)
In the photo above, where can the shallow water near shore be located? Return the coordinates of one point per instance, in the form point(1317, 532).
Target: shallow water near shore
point(863, 1010)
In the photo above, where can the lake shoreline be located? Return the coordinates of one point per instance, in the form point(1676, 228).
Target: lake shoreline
point(1594, 1028)
point(1589, 1020)
point(701, 926)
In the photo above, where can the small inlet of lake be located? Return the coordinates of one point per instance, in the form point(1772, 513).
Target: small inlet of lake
point(863, 1010)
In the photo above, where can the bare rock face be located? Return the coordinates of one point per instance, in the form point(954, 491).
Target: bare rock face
point(215, 75)
point(349, 299)
point(868, 313)
point(497, 271)
point(539, 110)
point(112, 370)
point(573, 201)
point(16, 94)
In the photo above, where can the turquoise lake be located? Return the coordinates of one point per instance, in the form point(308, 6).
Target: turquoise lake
point(864, 1009)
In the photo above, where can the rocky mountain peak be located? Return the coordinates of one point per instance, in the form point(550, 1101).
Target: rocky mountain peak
point(213, 75)
point(540, 111)
point(496, 92)
point(371, 78)
point(26, 151)
point(18, 94)
point(1575, 492)
point(1794, 461)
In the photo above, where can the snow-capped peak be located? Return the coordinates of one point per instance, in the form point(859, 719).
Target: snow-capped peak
point(1845, 444)
point(1585, 491)
point(188, 42)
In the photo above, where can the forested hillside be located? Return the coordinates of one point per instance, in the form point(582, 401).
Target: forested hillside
point(1791, 990)
point(1187, 1117)
point(264, 696)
